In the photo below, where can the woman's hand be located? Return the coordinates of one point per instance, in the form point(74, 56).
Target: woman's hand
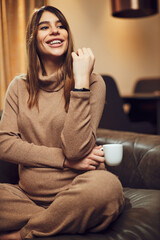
point(91, 162)
point(83, 64)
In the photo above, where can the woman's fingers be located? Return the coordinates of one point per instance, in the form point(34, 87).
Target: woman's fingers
point(99, 159)
point(97, 156)
point(74, 55)
point(92, 167)
point(90, 52)
point(94, 163)
point(85, 51)
point(83, 64)
point(80, 53)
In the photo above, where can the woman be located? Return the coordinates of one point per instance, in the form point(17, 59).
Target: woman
point(49, 128)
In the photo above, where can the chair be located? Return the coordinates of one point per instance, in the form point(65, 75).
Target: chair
point(146, 110)
point(147, 85)
point(114, 117)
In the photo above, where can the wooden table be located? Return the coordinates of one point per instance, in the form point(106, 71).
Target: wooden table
point(148, 98)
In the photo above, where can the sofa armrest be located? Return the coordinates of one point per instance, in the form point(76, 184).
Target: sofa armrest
point(140, 167)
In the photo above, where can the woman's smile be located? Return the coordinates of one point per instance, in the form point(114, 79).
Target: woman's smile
point(56, 42)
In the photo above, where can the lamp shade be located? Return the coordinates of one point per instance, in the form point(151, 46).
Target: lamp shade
point(134, 8)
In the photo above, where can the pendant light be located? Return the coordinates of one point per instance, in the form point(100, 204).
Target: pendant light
point(134, 8)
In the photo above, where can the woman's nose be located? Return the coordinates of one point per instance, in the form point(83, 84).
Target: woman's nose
point(54, 31)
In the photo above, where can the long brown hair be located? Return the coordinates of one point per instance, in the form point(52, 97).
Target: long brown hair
point(35, 62)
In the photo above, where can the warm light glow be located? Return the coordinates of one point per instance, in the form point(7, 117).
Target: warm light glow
point(135, 4)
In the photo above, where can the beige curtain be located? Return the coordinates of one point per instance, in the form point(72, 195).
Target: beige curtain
point(14, 15)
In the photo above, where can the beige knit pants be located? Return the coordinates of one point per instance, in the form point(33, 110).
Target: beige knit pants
point(91, 203)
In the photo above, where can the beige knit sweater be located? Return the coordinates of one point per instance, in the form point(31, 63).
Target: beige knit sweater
point(39, 141)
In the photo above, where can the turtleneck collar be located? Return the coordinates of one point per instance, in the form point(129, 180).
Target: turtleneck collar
point(50, 83)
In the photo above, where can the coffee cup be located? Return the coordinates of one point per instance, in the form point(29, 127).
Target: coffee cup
point(113, 153)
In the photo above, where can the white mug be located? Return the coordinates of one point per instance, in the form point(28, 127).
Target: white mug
point(113, 153)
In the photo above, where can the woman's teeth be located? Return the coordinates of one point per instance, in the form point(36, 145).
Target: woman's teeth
point(55, 42)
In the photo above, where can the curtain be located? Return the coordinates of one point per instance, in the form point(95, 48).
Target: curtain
point(14, 15)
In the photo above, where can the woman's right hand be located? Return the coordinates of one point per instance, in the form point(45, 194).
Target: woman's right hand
point(90, 162)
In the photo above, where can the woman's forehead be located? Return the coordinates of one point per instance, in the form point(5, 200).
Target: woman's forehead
point(48, 16)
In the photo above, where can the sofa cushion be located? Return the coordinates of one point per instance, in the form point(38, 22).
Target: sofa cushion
point(140, 218)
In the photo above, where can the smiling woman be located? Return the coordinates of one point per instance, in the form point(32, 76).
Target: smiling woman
point(48, 27)
point(48, 127)
point(52, 39)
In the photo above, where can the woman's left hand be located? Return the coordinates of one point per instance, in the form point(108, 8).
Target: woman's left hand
point(83, 64)
point(90, 162)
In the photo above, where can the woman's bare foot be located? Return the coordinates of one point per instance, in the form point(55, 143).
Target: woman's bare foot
point(11, 236)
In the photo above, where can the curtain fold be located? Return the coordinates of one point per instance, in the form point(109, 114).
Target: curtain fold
point(14, 15)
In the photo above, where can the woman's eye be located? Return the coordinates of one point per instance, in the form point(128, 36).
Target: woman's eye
point(44, 28)
point(61, 27)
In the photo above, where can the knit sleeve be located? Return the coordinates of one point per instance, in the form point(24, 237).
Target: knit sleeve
point(13, 148)
point(84, 113)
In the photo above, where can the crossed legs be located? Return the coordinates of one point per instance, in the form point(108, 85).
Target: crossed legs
point(92, 202)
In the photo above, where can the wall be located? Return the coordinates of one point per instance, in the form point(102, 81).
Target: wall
point(127, 49)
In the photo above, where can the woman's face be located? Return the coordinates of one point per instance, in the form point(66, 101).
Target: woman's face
point(52, 37)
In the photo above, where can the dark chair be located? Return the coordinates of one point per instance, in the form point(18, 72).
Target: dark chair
point(147, 109)
point(114, 117)
point(147, 85)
